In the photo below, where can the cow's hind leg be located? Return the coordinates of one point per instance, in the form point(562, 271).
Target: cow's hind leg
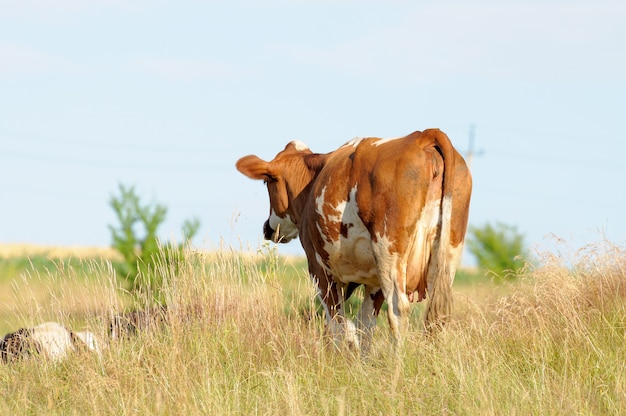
point(341, 329)
point(398, 309)
point(366, 321)
point(392, 275)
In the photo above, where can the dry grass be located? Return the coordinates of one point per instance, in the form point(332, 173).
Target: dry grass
point(244, 338)
point(59, 292)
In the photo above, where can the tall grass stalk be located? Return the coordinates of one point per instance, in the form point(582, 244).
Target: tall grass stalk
point(242, 338)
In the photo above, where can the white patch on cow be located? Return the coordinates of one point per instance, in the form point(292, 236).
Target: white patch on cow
point(452, 254)
point(55, 340)
point(354, 142)
point(447, 204)
point(48, 340)
point(90, 340)
point(350, 257)
point(380, 142)
point(300, 146)
point(454, 257)
point(392, 271)
point(319, 202)
point(386, 262)
point(284, 228)
point(425, 237)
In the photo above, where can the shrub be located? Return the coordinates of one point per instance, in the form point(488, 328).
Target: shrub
point(136, 239)
point(499, 249)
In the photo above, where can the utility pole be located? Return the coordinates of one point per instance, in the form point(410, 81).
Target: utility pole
point(469, 155)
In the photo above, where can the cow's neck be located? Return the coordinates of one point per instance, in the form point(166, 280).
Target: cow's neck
point(301, 186)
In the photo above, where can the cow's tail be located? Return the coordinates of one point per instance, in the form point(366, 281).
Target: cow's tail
point(439, 306)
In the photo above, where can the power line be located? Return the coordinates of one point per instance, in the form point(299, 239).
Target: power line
point(174, 147)
point(111, 163)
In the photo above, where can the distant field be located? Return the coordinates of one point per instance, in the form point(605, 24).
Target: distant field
point(30, 250)
point(244, 337)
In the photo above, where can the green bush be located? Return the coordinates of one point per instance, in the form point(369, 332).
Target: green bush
point(136, 239)
point(499, 249)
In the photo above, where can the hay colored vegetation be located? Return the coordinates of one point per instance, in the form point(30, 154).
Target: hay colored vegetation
point(244, 336)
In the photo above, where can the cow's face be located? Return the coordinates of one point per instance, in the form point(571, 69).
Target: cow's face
point(278, 176)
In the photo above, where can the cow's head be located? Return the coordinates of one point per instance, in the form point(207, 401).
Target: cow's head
point(285, 177)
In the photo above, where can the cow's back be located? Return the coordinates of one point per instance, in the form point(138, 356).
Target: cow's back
point(386, 195)
point(371, 192)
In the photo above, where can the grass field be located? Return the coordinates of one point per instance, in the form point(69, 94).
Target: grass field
point(244, 337)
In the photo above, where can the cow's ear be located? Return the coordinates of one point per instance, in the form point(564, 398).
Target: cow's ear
point(254, 167)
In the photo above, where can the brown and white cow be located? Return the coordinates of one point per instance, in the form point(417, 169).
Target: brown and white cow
point(48, 340)
point(389, 214)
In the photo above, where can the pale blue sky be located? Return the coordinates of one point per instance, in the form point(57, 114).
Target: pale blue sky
point(167, 95)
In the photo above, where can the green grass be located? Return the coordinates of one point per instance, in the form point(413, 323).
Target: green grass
point(244, 337)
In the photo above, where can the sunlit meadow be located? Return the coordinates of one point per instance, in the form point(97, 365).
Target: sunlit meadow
point(244, 336)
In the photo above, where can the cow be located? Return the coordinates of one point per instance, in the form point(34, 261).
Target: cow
point(48, 340)
point(388, 214)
